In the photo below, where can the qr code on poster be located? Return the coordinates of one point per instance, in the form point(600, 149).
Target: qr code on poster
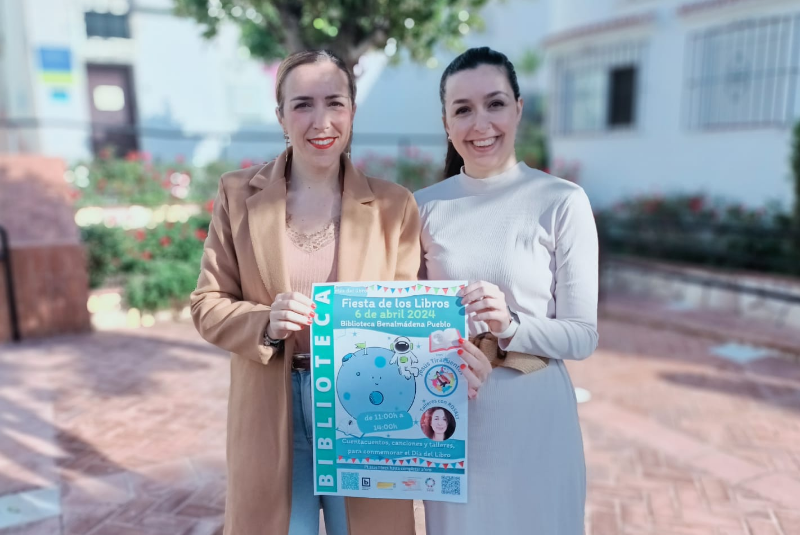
point(451, 485)
point(349, 480)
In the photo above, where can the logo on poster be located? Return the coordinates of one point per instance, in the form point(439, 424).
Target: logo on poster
point(441, 380)
point(411, 483)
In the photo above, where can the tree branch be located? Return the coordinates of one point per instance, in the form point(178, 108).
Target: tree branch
point(354, 51)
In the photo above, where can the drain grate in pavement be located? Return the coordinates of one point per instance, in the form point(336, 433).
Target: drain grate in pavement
point(739, 352)
point(30, 506)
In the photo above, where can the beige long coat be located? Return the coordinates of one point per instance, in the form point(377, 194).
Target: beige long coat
point(243, 269)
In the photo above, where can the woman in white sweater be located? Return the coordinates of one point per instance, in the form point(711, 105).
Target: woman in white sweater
point(528, 240)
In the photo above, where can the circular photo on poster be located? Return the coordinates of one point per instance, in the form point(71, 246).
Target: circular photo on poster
point(438, 423)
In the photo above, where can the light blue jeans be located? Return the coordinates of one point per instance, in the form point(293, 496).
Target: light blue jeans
point(304, 519)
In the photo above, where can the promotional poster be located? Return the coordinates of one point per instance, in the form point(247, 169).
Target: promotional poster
point(389, 398)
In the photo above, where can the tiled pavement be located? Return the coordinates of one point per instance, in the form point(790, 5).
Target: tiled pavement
point(129, 426)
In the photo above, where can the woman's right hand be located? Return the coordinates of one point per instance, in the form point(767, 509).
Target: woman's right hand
point(290, 312)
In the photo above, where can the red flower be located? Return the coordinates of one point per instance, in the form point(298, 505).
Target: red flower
point(210, 206)
point(411, 152)
point(132, 156)
point(165, 241)
point(139, 235)
point(696, 204)
point(652, 205)
point(201, 234)
point(246, 163)
point(147, 255)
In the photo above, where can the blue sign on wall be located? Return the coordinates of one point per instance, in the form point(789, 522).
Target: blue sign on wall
point(55, 59)
point(55, 70)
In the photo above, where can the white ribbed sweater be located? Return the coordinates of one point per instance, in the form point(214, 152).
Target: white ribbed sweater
point(531, 234)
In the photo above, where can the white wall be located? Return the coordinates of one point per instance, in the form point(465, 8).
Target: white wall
point(58, 23)
point(16, 98)
point(187, 84)
point(662, 155)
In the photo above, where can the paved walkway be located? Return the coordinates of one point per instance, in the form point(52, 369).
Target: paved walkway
point(126, 430)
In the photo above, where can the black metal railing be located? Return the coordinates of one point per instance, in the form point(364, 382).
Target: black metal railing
point(8, 275)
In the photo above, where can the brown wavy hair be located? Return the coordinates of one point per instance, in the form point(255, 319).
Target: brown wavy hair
point(427, 416)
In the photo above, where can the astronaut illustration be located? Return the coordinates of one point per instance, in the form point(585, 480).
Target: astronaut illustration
point(403, 357)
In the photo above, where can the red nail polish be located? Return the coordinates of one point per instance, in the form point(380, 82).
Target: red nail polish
point(310, 322)
point(313, 305)
point(463, 366)
point(460, 340)
point(313, 314)
point(460, 351)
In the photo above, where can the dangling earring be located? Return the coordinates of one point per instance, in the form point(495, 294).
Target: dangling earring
point(286, 138)
point(349, 145)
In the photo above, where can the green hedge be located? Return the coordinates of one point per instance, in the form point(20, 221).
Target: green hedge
point(697, 230)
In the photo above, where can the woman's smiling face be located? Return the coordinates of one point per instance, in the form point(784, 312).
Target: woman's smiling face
point(317, 112)
point(481, 118)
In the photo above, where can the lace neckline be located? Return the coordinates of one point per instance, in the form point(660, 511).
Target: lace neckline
point(315, 241)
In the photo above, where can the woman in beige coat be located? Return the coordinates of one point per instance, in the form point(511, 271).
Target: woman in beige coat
point(308, 216)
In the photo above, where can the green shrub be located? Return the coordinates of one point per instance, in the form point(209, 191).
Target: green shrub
point(135, 179)
point(157, 267)
point(695, 229)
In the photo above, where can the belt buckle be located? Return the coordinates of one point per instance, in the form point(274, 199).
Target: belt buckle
point(301, 362)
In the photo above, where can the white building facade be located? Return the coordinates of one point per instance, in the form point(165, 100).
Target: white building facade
point(78, 74)
point(657, 97)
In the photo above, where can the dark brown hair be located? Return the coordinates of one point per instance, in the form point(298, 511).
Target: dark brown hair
point(427, 416)
point(472, 59)
point(304, 58)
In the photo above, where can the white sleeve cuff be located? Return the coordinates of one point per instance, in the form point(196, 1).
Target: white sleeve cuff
point(510, 331)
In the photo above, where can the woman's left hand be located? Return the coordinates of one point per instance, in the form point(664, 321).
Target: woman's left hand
point(476, 367)
point(488, 303)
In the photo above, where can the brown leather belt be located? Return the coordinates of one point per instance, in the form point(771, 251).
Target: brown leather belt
point(522, 362)
point(301, 362)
